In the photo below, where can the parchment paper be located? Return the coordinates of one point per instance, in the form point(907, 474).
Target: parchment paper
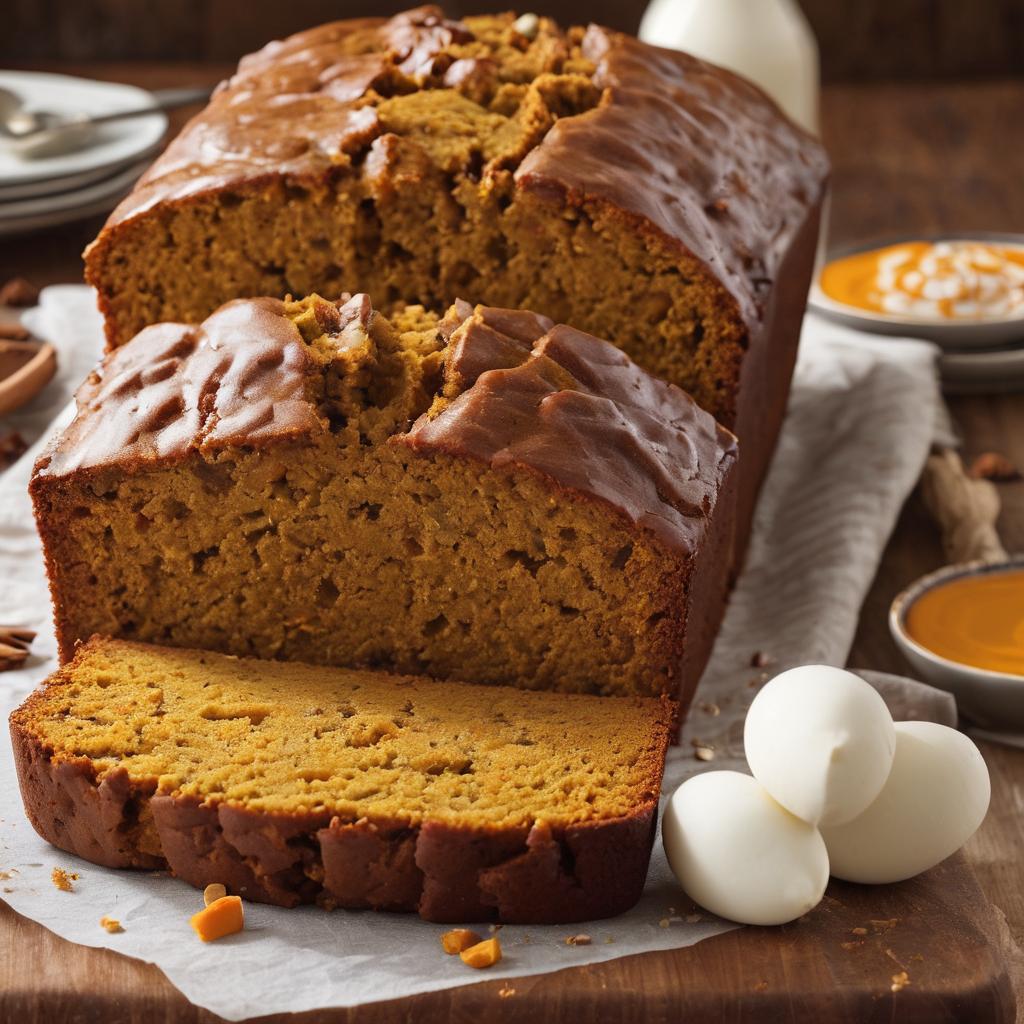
point(860, 423)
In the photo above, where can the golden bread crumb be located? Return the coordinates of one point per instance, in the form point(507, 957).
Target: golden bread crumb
point(62, 879)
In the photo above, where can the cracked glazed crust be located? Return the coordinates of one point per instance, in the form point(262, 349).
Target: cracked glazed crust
point(684, 149)
point(539, 873)
point(520, 393)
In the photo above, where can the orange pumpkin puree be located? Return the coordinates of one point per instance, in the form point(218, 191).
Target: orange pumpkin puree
point(953, 280)
point(974, 620)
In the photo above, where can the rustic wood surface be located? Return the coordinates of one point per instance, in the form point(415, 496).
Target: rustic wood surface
point(918, 158)
point(869, 39)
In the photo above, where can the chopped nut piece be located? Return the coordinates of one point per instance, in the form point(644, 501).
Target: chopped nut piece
point(12, 447)
point(111, 924)
point(859, 931)
point(711, 709)
point(761, 660)
point(704, 754)
point(222, 917)
point(19, 291)
point(900, 981)
point(213, 892)
point(483, 954)
point(577, 940)
point(693, 918)
point(527, 25)
point(885, 925)
point(993, 466)
point(855, 944)
point(459, 939)
point(62, 879)
point(505, 991)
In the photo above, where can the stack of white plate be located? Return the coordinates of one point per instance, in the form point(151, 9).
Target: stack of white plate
point(976, 356)
point(46, 191)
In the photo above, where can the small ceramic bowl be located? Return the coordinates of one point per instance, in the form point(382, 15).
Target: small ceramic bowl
point(991, 699)
point(25, 369)
point(952, 335)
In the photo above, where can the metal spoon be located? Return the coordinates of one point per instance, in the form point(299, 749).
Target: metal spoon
point(36, 133)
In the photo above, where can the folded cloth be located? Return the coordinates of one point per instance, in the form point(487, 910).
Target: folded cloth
point(859, 426)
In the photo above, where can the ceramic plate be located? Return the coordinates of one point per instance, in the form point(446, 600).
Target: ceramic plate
point(56, 186)
point(952, 335)
point(994, 700)
point(108, 188)
point(966, 373)
point(99, 198)
point(114, 144)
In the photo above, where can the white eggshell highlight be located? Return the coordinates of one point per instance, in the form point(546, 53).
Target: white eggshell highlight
point(935, 798)
point(737, 853)
point(821, 741)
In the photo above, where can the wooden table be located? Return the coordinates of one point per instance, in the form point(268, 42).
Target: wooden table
point(907, 158)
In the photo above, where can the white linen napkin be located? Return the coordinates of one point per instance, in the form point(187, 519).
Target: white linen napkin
point(860, 422)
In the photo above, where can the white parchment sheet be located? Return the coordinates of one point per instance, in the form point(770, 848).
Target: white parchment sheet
point(860, 422)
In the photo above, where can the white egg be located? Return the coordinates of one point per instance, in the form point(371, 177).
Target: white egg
point(934, 800)
point(737, 853)
point(821, 741)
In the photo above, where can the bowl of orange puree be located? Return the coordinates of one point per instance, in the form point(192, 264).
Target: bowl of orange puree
point(962, 292)
point(962, 629)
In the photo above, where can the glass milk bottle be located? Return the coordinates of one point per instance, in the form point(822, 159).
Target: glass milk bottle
point(767, 41)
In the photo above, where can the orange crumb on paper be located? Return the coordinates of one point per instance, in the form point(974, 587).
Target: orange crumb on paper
point(111, 924)
point(458, 939)
point(62, 879)
point(483, 954)
point(222, 917)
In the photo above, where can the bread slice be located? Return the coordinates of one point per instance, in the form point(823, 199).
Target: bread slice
point(295, 784)
point(487, 497)
point(634, 192)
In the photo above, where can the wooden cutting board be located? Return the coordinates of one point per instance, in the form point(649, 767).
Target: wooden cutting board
point(842, 964)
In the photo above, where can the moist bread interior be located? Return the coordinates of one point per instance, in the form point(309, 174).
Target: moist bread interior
point(291, 738)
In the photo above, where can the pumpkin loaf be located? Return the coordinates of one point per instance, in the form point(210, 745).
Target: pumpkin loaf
point(636, 193)
point(294, 784)
point(487, 497)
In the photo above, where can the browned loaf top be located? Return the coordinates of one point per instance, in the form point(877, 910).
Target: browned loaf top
point(685, 148)
point(292, 784)
point(636, 193)
point(518, 391)
point(519, 482)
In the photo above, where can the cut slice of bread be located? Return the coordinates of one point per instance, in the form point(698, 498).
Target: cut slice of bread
point(295, 784)
point(488, 497)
